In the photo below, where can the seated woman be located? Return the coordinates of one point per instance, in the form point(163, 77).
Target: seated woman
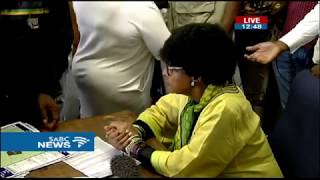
point(207, 121)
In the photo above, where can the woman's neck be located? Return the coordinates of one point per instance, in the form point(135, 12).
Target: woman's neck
point(197, 92)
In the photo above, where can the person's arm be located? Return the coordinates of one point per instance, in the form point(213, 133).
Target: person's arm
point(49, 110)
point(54, 48)
point(153, 29)
point(305, 31)
point(160, 121)
point(316, 70)
point(316, 52)
point(162, 118)
point(231, 11)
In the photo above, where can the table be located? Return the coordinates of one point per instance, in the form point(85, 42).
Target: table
point(94, 124)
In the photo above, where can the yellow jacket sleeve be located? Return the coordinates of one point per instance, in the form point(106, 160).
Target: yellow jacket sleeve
point(218, 136)
point(163, 117)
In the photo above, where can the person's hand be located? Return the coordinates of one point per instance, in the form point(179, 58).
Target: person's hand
point(122, 122)
point(316, 70)
point(265, 52)
point(121, 128)
point(117, 139)
point(49, 111)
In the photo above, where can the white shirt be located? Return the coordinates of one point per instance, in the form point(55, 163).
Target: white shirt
point(113, 65)
point(305, 31)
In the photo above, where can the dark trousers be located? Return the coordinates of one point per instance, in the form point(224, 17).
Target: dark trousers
point(295, 139)
point(257, 79)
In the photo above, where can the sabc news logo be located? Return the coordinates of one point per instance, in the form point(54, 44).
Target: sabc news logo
point(47, 141)
point(63, 142)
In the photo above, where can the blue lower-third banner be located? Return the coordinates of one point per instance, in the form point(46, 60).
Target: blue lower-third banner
point(47, 141)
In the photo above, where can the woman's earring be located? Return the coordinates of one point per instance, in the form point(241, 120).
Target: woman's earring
point(192, 83)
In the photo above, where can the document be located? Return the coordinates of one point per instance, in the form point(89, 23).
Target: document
point(11, 157)
point(36, 162)
point(19, 163)
point(94, 164)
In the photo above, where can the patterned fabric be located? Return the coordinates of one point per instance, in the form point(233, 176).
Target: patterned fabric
point(187, 118)
point(261, 7)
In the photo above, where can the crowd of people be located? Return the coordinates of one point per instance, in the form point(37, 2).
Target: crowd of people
point(67, 60)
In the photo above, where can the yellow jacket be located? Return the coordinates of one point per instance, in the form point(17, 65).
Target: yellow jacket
point(227, 140)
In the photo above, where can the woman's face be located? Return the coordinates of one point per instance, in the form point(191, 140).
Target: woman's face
point(177, 80)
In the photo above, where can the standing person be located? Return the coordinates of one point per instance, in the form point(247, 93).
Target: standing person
point(255, 77)
point(35, 38)
point(296, 137)
point(206, 122)
point(288, 65)
point(113, 65)
point(181, 13)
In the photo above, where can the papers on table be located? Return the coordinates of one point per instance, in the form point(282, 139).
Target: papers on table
point(35, 162)
point(19, 163)
point(11, 157)
point(95, 164)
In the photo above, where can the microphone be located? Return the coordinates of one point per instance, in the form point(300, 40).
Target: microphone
point(124, 167)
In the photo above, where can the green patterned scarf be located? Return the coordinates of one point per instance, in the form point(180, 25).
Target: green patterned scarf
point(187, 117)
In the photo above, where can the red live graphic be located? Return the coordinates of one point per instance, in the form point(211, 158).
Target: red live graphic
point(252, 19)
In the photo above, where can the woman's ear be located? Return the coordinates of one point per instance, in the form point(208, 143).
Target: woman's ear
point(194, 80)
